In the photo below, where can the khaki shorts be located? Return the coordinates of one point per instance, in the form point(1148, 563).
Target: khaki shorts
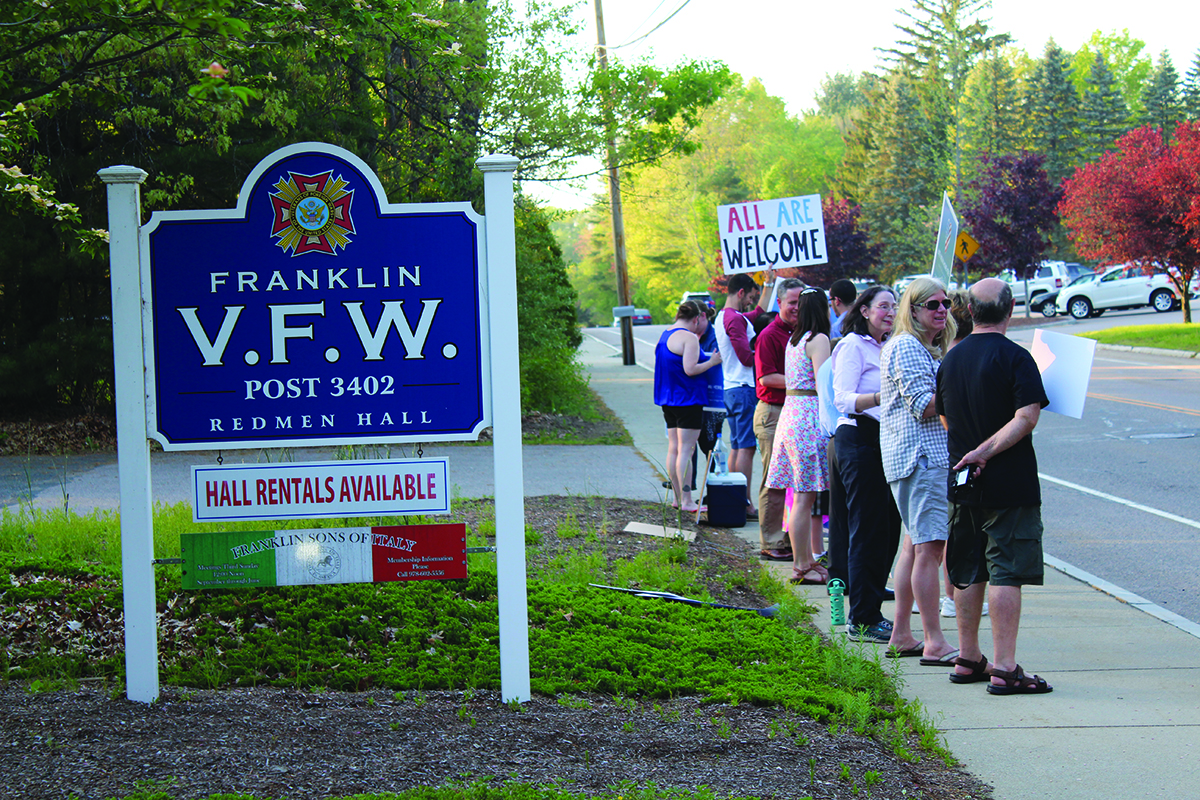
point(1002, 546)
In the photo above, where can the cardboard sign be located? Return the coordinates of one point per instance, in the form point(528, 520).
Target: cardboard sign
point(256, 559)
point(772, 234)
point(1066, 365)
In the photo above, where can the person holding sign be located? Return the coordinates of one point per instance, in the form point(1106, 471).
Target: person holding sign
point(681, 388)
point(916, 464)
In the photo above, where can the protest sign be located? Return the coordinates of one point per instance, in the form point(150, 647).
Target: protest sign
point(772, 234)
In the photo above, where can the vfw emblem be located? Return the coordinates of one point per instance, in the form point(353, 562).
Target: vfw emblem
point(312, 213)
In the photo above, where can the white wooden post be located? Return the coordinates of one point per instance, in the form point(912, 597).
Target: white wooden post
point(133, 448)
point(506, 425)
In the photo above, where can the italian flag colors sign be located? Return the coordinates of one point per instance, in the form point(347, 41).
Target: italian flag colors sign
point(245, 559)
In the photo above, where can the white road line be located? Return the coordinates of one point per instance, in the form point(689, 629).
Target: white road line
point(617, 350)
point(1122, 501)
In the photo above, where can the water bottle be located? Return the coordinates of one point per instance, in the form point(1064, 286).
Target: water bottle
point(720, 465)
point(837, 604)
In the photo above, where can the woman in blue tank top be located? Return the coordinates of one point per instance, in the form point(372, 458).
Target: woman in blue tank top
point(681, 389)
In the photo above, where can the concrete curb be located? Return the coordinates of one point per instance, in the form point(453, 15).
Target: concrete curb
point(1151, 351)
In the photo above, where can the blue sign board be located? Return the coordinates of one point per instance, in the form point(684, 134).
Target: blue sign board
point(315, 313)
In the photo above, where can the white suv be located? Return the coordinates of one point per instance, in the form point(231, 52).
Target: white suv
point(1050, 277)
point(1120, 287)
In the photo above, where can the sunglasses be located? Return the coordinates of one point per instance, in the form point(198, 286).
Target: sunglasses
point(932, 305)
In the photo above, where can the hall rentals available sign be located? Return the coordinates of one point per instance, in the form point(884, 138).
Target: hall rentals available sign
point(772, 234)
point(316, 489)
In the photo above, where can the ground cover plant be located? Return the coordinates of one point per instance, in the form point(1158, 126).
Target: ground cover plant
point(625, 688)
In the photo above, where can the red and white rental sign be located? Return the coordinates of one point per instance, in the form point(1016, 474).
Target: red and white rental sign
point(320, 489)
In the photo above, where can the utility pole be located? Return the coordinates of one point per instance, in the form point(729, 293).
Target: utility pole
point(614, 193)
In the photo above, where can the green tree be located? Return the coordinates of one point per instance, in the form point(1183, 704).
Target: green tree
point(908, 171)
point(1191, 91)
point(992, 121)
point(1161, 97)
point(942, 40)
point(1123, 55)
point(552, 380)
point(1104, 115)
point(1052, 113)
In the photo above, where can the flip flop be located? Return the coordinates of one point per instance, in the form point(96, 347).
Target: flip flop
point(909, 652)
point(801, 578)
point(947, 660)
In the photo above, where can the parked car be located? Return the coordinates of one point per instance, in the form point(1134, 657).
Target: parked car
point(902, 283)
point(1047, 302)
point(701, 297)
point(1117, 288)
point(1050, 276)
point(641, 316)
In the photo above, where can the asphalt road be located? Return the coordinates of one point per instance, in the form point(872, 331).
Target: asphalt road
point(1119, 485)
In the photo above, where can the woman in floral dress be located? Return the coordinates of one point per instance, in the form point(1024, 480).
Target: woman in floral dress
point(799, 460)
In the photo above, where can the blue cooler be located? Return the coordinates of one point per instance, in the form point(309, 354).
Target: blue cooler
point(726, 500)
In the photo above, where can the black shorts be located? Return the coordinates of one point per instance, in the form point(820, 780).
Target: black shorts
point(684, 416)
point(1002, 546)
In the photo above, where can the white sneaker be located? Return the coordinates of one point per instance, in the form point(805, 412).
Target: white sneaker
point(948, 609)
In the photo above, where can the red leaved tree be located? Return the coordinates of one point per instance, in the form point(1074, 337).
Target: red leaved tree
point(1141, 203)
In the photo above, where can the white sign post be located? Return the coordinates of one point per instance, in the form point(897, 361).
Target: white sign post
point(772, 234)
point(133, 448)
point(509, 477)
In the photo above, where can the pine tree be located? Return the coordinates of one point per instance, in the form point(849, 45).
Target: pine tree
point(1162, 97)
point(906, 174)
point(991, 121)
point(1191, 91)
point(1104, 116)
point(1052, 113)
point(942, 41)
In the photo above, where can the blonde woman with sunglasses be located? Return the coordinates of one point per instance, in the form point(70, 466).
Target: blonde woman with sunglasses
point(916, 463)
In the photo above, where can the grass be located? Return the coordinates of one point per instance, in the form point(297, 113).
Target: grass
point(1167, 337)
point(58, 566)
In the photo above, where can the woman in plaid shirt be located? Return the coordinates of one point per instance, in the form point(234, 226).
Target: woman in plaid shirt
point(916, 463)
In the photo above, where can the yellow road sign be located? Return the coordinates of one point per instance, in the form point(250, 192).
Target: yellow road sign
point(966, 246)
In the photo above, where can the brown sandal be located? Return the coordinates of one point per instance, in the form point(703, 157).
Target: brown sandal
point(979, 671)
point(1017, 682)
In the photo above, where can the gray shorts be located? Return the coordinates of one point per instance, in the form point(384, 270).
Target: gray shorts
point(1000, 545)
point(921, 499)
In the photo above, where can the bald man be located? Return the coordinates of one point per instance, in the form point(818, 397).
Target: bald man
point(989, 397)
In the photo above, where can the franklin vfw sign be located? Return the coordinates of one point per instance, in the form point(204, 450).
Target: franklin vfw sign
point(315, 312)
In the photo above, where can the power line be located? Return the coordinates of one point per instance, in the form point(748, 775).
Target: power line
point(649, 16)
point(652, 30)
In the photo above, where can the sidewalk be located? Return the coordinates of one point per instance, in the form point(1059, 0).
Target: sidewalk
point(1123, 717)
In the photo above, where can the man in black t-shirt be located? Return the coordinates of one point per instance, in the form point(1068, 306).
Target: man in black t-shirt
point(989, 397)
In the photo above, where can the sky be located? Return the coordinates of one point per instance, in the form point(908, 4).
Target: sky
point(791, 46)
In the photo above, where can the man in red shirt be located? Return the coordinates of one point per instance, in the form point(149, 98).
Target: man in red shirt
point(771, 388)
